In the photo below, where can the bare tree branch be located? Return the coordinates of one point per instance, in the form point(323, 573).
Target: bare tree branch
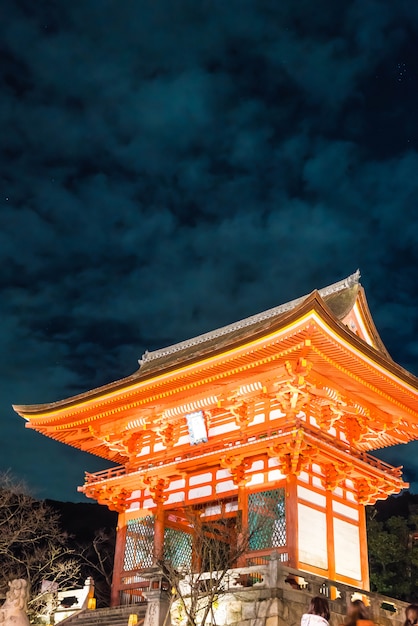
point(216, 546)
point(32, 544)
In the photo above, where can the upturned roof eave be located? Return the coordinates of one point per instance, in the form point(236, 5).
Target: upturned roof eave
point(314, 302)
point(143, 373)
point(365, 310)
point(165, 366)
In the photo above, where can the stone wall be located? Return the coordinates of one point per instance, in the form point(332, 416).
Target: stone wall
point(275, 595)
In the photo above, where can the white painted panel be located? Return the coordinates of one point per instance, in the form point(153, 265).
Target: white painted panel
point(317, 482)
point(145, 450)
point(256, 479)
point(226, 485)
point(133, 507)
point(257, 465)
point(222, 473)
point(343, 509)
point(338, 491)
point(177, 484)
point(312, 537)
point(275, 475)
point(350, 496)
point(311, 496)
point(222, 429)
point(258, 419)
point(214, 509)
point(272, 462)
point(347, 549)
point(178, 496)
point(200, 478)
point(182, 441)
point(304, 477)
point(316, 468)
point(200, 492)
point(276, 414)
point(158, 447)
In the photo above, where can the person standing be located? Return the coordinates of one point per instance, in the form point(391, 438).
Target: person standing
point(411, 615)
point(318, 613)
point(358, 615)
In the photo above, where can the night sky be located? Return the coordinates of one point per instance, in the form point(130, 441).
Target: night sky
point(171, 166)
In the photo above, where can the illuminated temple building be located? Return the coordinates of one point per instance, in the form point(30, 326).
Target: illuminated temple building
point(278, 411)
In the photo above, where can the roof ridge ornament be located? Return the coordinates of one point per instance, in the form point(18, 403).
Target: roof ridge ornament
point(346, 283)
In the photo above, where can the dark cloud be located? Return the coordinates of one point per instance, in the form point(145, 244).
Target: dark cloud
point(167, 168)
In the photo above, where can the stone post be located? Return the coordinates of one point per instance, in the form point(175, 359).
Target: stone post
point(158, 608)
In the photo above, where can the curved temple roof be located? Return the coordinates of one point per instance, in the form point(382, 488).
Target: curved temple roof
point(342, 306)
point(339, 298)
point(331, 330)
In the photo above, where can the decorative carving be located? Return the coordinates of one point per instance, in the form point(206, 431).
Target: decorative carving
point(237, 467)
point(13, 611)
point(125, 444)
point(330, 404)
point(301, 369)
point(208, 417)
point(133, 443)
point(334, 473)
point(369, 490)
point(329, 408)
point(168, 430)
point(241, 412)
point(355, 423)
point(292, 398)
point(354, 429)
point(295, 455)
point(157, 486)
point(114, 498)
point(293, 394)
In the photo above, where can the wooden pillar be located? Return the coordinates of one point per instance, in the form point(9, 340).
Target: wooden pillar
point(158, 531)
point(292, 520)
point(243, 531)
point(330, 536)
point(118, 560)
point(363, 548)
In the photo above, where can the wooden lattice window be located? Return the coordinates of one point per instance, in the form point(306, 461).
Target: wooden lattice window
point(139, 546)
point(267, 519)
point(178, 547)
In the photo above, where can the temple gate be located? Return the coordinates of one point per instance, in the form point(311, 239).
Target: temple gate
point(273, 416)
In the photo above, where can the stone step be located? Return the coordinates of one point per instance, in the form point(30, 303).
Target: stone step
point(116, 616)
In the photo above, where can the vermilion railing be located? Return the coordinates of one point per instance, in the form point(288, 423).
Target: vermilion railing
point(120, 470)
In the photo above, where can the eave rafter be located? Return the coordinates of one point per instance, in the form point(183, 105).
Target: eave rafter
point(361, 385)
point(146, 402)
point(297, 388)
point(387, 402)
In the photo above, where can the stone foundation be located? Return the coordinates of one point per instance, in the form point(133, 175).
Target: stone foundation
point(281, 595)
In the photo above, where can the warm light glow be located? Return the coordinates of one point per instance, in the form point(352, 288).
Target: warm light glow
point(250, 388)
point(137, 423)
point(191, 406)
